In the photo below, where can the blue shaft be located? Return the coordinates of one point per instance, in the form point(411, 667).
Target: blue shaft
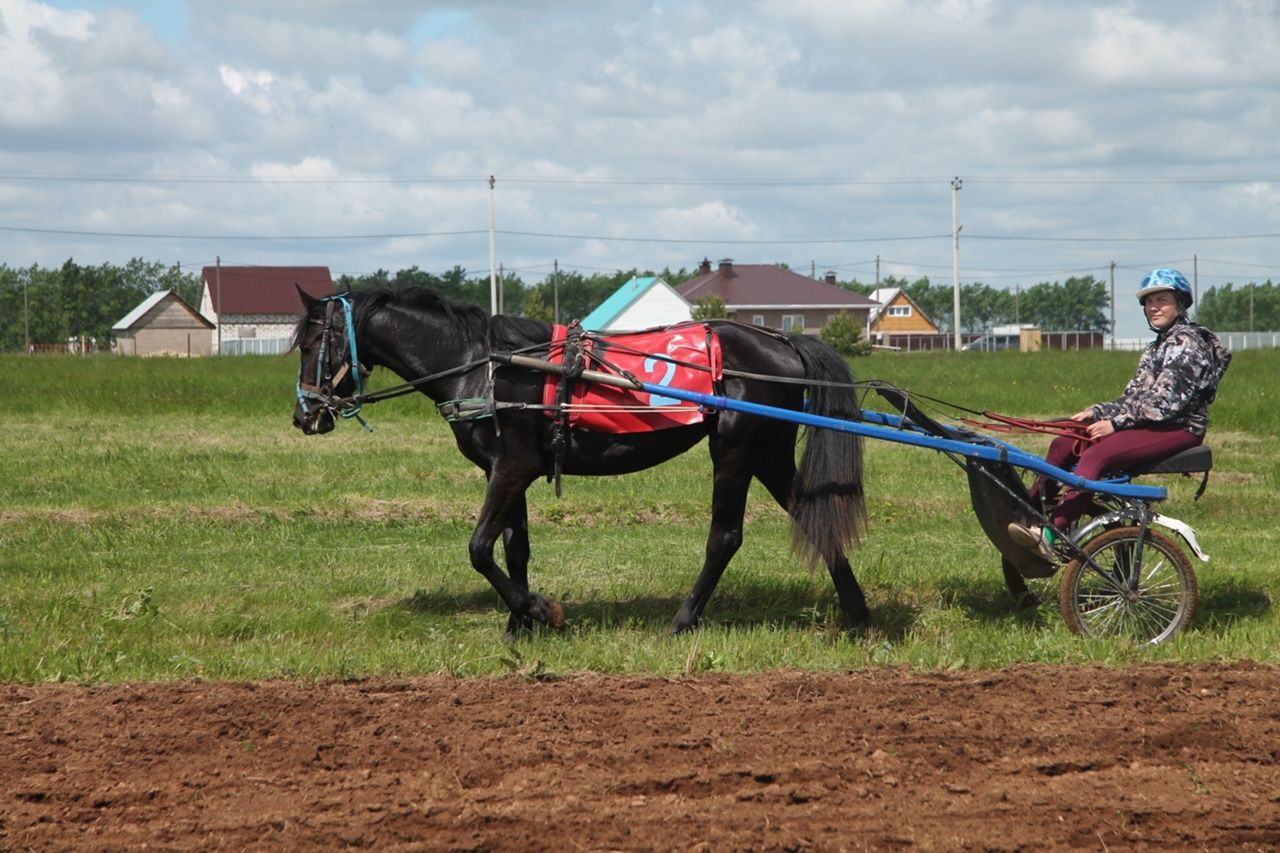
point(887, 427)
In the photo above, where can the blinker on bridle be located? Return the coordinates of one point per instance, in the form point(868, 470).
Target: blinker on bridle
point(321, 393)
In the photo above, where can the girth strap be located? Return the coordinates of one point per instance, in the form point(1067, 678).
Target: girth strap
point(575, 362)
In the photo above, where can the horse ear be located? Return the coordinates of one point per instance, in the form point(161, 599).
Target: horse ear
point(307, 299)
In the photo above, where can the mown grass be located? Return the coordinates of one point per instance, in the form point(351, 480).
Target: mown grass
point(161, 519)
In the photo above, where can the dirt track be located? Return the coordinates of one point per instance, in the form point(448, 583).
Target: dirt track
point(1030, 757)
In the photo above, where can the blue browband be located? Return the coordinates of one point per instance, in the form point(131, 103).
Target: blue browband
point(322, 391)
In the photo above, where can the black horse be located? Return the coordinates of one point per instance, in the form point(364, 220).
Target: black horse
point(420, 336)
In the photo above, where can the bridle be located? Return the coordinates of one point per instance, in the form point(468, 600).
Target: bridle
point(320, 395)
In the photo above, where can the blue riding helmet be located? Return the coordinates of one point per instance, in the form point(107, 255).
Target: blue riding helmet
point(1166, 279)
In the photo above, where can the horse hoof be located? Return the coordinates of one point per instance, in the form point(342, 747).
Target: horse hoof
point(518, 627)
point(856, 627)
point(555, 616)
point(547, 611)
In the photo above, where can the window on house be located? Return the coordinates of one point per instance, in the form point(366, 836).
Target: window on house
point(793, 322)
point(757, 319)
point(899, 310)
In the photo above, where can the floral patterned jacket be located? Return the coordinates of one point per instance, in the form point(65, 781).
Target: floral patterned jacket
point(1177, 379)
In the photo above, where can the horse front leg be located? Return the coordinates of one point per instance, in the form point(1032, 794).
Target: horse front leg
point(505, 494)
point(515, 548)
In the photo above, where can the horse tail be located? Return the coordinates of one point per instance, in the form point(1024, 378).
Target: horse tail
point(828, 505)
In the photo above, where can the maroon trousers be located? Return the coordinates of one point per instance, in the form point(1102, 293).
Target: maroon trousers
point(1109, 456)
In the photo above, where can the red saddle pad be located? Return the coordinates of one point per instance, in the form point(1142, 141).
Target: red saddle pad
point(684, 356)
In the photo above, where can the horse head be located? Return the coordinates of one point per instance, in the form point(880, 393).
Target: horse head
point(330, 374)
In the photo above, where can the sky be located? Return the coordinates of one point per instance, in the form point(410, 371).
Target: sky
point(621, 134)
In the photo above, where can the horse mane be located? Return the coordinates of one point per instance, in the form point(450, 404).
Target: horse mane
point(471, 321)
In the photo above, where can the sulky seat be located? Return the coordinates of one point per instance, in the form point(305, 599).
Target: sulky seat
point(1193, 460)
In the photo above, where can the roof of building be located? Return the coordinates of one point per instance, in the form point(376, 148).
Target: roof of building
point(264, 290)
point(145, 306)
point(620, 300)
point(767, 286)
point(882, 296)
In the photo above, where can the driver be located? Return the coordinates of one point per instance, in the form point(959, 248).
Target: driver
point(1162, 411)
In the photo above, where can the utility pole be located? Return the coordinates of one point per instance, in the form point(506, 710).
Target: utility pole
point(955, 257)
point(26, 313)
point(501, 274)
point(555, 290)
point(493, 256)
point(1195, 284)
point(217, 297)
point(877, 272)
point(1113, 304)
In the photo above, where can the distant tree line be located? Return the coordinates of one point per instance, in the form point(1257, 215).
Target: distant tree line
point(1251, 308)
point(54, 305)
point(1077, 304)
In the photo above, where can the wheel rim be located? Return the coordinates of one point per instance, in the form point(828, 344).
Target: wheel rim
point(1110, 605)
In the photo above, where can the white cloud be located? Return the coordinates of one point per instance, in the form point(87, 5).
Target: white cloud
point(33, 89)
point(245, 82)
point(665, 97)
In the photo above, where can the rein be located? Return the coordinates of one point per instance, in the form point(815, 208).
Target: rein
point(321, 393)
point(1058, 426)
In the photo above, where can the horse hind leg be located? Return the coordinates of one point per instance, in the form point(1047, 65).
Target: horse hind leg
point(728, 506)
point(777, 472)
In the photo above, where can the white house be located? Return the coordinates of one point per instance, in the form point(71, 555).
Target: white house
point(641, 303)
point(255, 309)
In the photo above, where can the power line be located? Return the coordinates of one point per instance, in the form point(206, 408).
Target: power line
point(231, 179)
point(616, 239)
point(464, 233)
point(1152, 179)
point(52, 177)
point(237, 237)
point(722, 241)
point(590, 180)
point(1205, 260)
point(1184, 239)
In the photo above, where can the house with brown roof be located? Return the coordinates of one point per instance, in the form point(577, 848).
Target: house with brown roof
point(255, 309)
point(896, 313)
point(768, 295)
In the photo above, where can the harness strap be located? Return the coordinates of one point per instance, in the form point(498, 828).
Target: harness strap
point(1204, 483)
point(575, 362)
point(477, 408)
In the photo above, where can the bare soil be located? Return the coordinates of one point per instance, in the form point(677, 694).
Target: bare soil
point(1158, 756)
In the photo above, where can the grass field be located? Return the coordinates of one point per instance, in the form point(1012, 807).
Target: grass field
point(161, 519)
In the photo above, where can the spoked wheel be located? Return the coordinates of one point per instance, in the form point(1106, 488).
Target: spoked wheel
point(1148, 594)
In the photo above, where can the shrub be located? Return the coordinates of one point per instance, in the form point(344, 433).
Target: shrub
point(844, 334)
